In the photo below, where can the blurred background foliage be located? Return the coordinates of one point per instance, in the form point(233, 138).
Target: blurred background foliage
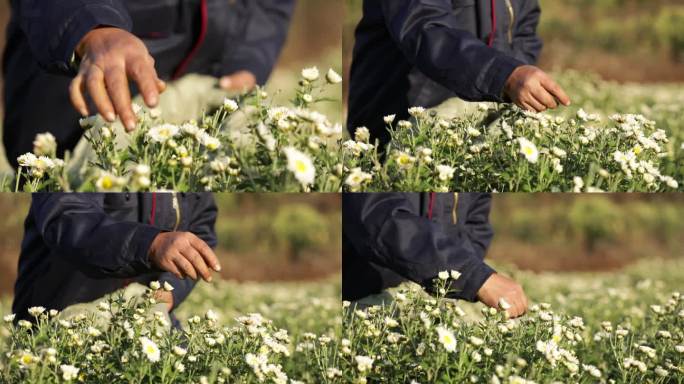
point(260, 236)
point(623, 40)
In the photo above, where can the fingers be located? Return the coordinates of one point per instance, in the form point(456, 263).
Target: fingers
point(142, 72)
point(185, 267)
point(555, 90)
point(545, 98)
point(117, 85)
point(207, 253)
point(95, 85)
point(76, 95)
point(239, 81)
point(533, 104)
point(173, 269)
point(198, 263)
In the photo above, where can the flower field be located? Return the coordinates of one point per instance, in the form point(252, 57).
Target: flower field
point(620, 328)
point(613, 138)
point(604, 327)
point(248, 144)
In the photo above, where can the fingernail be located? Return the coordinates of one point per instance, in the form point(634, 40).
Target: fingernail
point(225, 83)
point(217, 268)
point(152, 100)
point(209, 279)
point(110, 116)
point(130, 125)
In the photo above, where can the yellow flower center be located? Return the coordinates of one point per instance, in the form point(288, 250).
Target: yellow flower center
point(300, 166)
point(107, 182)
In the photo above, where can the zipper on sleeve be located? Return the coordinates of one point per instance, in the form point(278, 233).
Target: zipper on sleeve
point(176, 208)
point(454, 214)
point(511, 13)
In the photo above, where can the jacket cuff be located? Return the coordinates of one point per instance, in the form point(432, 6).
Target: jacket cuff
point(83, 21)
point(472, 283)
point(498, 73)
point(140, 247)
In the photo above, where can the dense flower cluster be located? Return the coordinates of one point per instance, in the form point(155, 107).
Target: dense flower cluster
point(520, 151)
point(416, 338)
point(248, 144)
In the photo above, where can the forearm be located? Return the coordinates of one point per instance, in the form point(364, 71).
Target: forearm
point(428, 34)
point(77, 227)
point(413, 246)
point(54, 28)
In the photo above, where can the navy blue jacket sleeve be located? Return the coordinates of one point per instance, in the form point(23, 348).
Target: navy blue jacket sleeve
point(54, 28)
point(202, 220)
point(478, 227)
point(78, 226)
point(526, 43)
point(264, 36)
point(414, 246)
point(428, 34)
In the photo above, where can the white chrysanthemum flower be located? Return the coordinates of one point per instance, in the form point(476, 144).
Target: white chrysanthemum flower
point(69, 372)
point(179, 351)
point(212, 143)
point(36, 311)
point(443, 275)
point(211, 316)
point(310, 74)
point(363, 363)
point(27, 159)
point(357, 178)
point(333, 77)
point(446, 338)
point(168, 287)
point(389, 119)
point(416, 111)
point(155, 285)
point(45, 144)
point(301, 165)
point(150, 349)
point(455, 274)
point(404, 160)
point(230, 105)
point(578, 184)
point(162, 133)
point(445, 172)
point(528, 149)
point(362, 134)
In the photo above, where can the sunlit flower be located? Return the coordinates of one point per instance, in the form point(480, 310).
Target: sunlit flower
point(36, 311)
point(333, 77)
point(310, 74)
point(150, 349)
point(301, 165)
point(528, 149)
point(69, 372)
point(162, 133)
point(45, 144)
point(230, 105)
point(363, 363)
point(446, 338)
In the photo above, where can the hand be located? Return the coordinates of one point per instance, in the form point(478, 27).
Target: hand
point(109, 57)
point(165, 297)
point(497, 287)
point(531, 88)
point(183, 254)
point(240, 81)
